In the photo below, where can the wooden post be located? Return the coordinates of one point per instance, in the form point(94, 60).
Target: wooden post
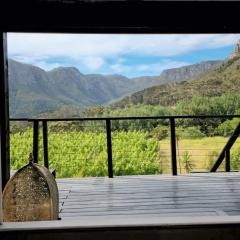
point(4, 118)
point(35, 140)
point(4, 111)
point(109, 148)
point(45, 143)
point(173, 146)
point(227, 158)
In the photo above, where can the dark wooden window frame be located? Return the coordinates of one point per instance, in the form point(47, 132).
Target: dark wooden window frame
point(58, 16)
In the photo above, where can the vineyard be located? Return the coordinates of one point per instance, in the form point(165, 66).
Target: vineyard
point(84, 153)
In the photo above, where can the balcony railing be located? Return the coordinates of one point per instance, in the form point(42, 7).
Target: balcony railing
point(108, 123)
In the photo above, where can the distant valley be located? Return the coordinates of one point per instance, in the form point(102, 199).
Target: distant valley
point(34, 91)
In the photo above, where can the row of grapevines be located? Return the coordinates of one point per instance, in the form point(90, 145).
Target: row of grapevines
point(79, 154)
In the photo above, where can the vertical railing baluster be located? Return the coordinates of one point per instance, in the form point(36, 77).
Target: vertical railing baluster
point(109, 148)
point(173, 146)
point(35, 140)
point(227, 159)
point(45, 143)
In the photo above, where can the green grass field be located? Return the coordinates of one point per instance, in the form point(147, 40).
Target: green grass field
point(203, 152)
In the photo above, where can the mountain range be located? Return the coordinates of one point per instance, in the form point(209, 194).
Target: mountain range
point(34, 91)
point(224, 79)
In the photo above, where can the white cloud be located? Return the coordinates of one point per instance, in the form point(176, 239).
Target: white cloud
point(112, 45)
point(159, 67)
point(93, 63)
point(149, 69)
point(121, 68)
point(95, 51)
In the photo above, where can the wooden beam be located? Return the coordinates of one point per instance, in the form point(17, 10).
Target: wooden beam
point(4, 111)
point(120, 16)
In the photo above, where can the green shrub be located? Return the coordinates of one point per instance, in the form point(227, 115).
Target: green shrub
point(227, 127)
point(235, 160)
point(160, 132)
point(189, 132)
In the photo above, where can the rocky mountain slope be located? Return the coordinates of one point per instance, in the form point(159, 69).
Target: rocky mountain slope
point(224, 79)
point(34, 91)
point(236, 51)
point(188, 72)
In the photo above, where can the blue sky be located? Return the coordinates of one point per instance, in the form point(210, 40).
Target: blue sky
point(131, 55)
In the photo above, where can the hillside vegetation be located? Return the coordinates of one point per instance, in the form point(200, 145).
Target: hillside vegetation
point(225, 79)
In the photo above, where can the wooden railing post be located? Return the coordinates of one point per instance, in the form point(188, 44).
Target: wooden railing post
point(109, 148)
point(173, 146)
point(227, 159)
point(45, 143)
point(35, 140)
